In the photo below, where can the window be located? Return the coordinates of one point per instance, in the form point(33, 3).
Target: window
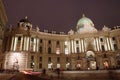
point(67, 59)
point(57, 42)
point(49, 50)
point(77, 42)
point(58, 59)
point(101, 39)
point(32, 65)
point(113, 38)
point(32, 58)
point(49, 42)
point(103, 48)
point(40, 58)
point(40, 49)
point(40, 65)
point(77, 49)
point(49, 59)
point(41, 40)
point(115, 46)
point(19, 38)
point(32, 39)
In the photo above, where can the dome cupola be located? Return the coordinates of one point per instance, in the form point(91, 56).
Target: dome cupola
point(85, 24)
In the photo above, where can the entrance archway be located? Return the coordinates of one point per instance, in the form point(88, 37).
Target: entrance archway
point(91, 63)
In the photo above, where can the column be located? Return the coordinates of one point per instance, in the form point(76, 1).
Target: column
point(12, 43)
point(72, 46)
point(80, 46)
point(95, 47)
point(108, 43)
point(15, 43)
point(21, 43)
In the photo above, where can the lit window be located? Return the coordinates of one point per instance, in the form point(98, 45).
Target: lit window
point(50, 65)
point(58, 65)
point(58, 51)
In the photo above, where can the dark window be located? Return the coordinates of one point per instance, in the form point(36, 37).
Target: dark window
point(49, 50)
point(103, 48)
point(67, 59)
point(32, 58)
point(113, 38)
point(77, 42)
point(58, 59)
point(40, 58)
point(105, 55)
point(49, 59)
point(41, 40)
point(101, 39)
point(77, 49)
point(19, 38)
point(49, 42)
point(40, 65)
point(115, 46)
point(40, 49)
point(32, 39)
point(57, 42)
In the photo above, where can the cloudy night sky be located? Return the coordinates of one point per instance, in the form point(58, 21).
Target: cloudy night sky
point(62, 15)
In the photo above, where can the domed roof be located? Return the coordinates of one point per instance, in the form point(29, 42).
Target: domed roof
point(84, 20)
point(85, 25)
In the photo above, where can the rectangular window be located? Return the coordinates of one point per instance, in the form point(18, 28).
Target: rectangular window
point(49, 59)
point(32, 39)
point(49, 50)
point(101, 39)
point(67, 59)
point(32, 58)
point(40, 65)
point(40, 49)
point(58, 59)
point(40, 58)
point(57, 42)
point(49, 42)
point(41, 40)
point(19, 38)
point(77, 49)
point(115, 46)
point(77, 42)
point(103, 48)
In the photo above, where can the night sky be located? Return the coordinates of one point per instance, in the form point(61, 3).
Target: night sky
point(62, 15)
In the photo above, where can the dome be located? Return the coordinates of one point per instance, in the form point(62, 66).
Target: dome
point(84, 20)
point(85, 25)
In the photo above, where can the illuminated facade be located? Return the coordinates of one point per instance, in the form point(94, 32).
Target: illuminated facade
point(3, 21)
point(86, 48)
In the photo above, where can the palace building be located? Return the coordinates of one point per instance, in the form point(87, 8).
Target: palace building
point(3, 21)
point(86, 48)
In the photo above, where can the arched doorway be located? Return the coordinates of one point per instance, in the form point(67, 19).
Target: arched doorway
point(91, 62)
